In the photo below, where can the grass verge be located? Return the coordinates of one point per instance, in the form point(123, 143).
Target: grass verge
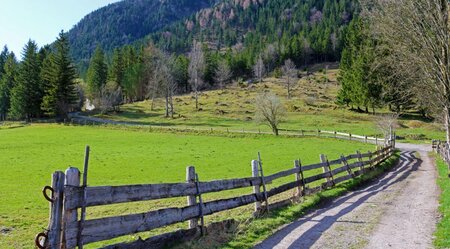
point(442, 238)
point(252, 231)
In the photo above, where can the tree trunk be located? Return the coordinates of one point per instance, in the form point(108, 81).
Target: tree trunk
point(167, 106)
point(196, 100)
point(275, 130)
point(447, 122)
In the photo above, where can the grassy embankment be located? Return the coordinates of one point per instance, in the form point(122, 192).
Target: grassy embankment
point(29, 155)
point(442, 238)
point(311, 107)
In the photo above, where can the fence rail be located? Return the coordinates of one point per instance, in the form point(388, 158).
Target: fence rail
point(83, 120)
point(443, 149)
point(67, 230)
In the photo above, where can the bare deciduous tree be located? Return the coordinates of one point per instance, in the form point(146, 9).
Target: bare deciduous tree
point(270, 110)
point(259, 69)
point(110, 98)
point(223, 74)
point(415, 37)
point(165, 82)
point(290, 74)
point(270, 56)
point(386, 124)
point(196, 69)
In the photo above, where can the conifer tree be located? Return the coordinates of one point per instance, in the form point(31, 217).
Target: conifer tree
point(3, 57)
point(59, 74)
point(97, 73)
point(26, 97)
point(117, 68)
point(6, 84)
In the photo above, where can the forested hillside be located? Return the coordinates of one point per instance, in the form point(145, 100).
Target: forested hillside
point(125, 22)
point(311, 30)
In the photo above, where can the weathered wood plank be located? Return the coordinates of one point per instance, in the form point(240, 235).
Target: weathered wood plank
point(368, 154)
point(56, 210)
point(312, 166)
point(111, 227)
point(335, 162)
point(70, 215)
point(342, 178)
point(316, 177)
point(282, 174)
point(339, 170)
point(105, 195)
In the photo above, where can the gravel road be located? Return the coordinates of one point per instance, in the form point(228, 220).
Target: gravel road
point(398, 210)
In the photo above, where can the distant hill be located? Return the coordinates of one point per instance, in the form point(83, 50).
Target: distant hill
point(125, 22)
point(300, 28)
point(307, 31)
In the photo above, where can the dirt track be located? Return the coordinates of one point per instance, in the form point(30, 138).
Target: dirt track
point(399, 210)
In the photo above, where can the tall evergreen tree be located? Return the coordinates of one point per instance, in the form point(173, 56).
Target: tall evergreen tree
point(3, 57)
point(59, 74)
point(27, 95)
point(6, 84)
point(117, 71)
point(97, 73)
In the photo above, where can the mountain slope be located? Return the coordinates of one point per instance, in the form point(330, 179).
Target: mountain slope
point(124, 22)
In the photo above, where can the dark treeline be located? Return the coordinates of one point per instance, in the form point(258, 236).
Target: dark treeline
point(42, 84)
point(366, 83)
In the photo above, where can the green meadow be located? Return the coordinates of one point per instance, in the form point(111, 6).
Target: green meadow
point(30, 154)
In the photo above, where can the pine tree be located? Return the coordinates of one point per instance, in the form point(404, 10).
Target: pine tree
point(59, 74)
point(27, 95)
point(3, 57)
point(97, 73)
point(6, 84)
point(117, 68)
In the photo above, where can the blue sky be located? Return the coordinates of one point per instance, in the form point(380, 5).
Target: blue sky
point(40, 20)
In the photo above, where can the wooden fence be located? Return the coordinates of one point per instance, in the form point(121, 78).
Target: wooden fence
point(287, 132)
point(443, 149)
point(69, 228)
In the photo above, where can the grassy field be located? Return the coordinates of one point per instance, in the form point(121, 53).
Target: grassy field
point(29, 155)
point(312, 107)
point(442, 238)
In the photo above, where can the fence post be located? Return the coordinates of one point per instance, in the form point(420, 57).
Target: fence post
point(365, 139)
point(70, 215)
point(370, 159)
point(360, 160)
point(326, 169)
point(318, 132)
point(376, 140)
point(191, 199)
point(345, 163)
point(256, 188)
point(56, 210)
point(350, 136)
point(335, 134)
point(299, 178)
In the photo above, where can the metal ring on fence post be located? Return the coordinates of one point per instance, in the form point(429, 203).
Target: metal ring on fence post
point(44, 192)
point(38, 238)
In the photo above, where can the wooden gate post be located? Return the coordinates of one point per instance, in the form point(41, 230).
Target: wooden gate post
point(256, 188)
point(56, 210)
point(70, 215)
point(191, 199)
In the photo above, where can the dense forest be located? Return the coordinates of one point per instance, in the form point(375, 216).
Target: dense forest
point(125, 22)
